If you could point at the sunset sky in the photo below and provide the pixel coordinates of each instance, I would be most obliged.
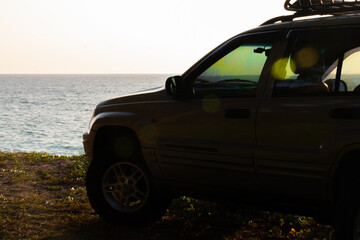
(116, 36)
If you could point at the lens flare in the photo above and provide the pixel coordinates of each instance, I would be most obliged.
(307, 57)
(280, 69)
(211, 103)
(149, 133)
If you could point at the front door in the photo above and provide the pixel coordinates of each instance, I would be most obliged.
(208, 138)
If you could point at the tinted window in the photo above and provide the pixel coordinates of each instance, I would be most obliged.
(314, 63)
(236, 73)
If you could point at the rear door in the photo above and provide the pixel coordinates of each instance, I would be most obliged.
(311, 111)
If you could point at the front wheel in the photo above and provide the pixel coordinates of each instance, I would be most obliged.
(123, 192)
(125, 187)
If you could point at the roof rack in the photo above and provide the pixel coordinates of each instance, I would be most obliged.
(322, 5)
(305, 8)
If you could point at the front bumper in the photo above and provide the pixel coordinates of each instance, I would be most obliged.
(88, 146)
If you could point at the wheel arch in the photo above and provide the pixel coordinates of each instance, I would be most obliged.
(104, 147)
(155, 204)
(106, 136)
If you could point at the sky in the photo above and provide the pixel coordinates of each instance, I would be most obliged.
(118, 36)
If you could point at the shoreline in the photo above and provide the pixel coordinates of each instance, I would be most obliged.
(41, 152)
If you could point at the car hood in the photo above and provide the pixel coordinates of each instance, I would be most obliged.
(153, 94)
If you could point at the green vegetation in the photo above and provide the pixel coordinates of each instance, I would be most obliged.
(43, 196)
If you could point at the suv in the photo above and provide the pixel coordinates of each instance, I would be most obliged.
(271, 118)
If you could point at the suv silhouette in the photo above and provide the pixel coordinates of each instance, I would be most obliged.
(271, 117)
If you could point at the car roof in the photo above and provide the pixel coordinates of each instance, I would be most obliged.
(308, 22)
(283, 23)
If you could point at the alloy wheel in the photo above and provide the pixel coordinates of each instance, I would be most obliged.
(125, 187)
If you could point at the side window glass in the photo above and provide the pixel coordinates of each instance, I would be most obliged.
(235, 74)
(350, 73)
(307, 62)
(319, 62)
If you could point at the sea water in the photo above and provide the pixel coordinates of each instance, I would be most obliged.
(49, 113)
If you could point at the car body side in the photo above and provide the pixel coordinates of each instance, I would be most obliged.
(267, 168)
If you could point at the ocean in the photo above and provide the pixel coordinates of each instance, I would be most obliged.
(49, 113)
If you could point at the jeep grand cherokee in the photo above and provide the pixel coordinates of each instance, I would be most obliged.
(271, 117)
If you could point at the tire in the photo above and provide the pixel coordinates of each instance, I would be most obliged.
(121, 191)
(356, 224)
(347, 217)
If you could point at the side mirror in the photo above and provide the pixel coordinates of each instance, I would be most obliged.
(173, 85)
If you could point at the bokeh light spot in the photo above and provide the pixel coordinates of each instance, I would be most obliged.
(211, 103)
(149, 133)
(307, 57)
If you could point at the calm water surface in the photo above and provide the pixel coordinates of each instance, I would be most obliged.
(50, 112)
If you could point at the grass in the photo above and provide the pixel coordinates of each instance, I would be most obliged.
(43, 196)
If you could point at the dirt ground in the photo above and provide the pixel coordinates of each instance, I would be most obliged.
(43, 197)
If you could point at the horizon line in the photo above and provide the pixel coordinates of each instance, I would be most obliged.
(88, 73)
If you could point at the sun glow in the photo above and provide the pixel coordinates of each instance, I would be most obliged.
(111, 36)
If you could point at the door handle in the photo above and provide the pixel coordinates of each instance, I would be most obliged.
(237, 113)
(345, 113)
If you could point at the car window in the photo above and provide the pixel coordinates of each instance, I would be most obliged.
(318, 62)
(237, 73)
(309, 55)
(350, 73)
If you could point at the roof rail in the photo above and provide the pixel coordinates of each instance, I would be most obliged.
(322, 5)
(305, 8)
